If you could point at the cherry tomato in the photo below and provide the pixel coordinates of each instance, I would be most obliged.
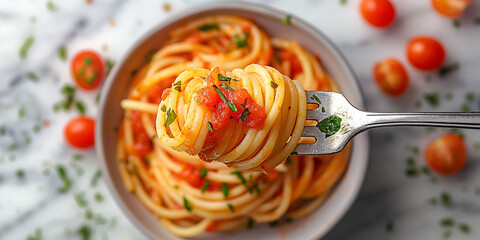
(425, 53)
(391, 77)
(447, 154)
(450, 8)
(88, 69)
(80, 132)
(379, 13)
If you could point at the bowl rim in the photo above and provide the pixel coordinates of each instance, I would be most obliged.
(216, 5)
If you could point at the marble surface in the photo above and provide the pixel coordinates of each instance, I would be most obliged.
(32, 142)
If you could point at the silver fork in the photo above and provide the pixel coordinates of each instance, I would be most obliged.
(354, 121)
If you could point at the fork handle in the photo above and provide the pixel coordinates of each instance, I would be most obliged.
(441, 119)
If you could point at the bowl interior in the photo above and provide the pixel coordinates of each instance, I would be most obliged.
(115, 89)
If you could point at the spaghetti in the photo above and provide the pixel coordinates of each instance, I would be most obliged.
(191, 196)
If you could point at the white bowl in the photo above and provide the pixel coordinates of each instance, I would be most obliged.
(313, 226)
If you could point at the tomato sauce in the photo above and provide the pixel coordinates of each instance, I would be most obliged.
(142, 143)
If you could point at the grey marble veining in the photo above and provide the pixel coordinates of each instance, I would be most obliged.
(110, 26)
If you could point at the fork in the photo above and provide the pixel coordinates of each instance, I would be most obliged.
(354, 121)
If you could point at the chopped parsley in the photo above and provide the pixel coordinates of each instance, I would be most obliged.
(171, 116)
(92, 78)
(208, 26)
(150, 56)
(98, 197)
(62, 53)
(67, 183)
(224, 189)
(245, 114)
(241, 42)
(36, 236)
(220, 94)
(465, 228)
(232, 106)
(446, 199)
(323, 109)
(80, 107)
(411, 172)
(447, 222)
(210, 126)
(448, 69)
(110, 63)
(21, 112)
(87, 61)
(134, 170)
(13, 146)
(32, 76)
(343, 2)
(240, 177)
(330, 125)
(85, 232)
(465, 108)
(469, 96)
(96, 176)
(226, 79)
(26, 45)
(80, 199)
(287, 20)
(177, 86)
(273, 85)
(226, 87)
(314, 97)
(187, 204)
(203, 173)
(77, 156)
(432, 99)
(20, 173)
(232, 209)
(163, 108)
(205, 186)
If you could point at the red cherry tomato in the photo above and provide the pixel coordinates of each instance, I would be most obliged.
(391, 77)
(451, 8)
(379, 13)
(88, 69)
(447, 154)
(425, 53)
(80, 132)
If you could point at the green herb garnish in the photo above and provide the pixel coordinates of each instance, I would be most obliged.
(240, 177)
(226, 79)
(92, 78)
(446, 199)
(95, 178)
(26, 45)
(62, 53)
(87, 61)
(447, 222)
(205, 186)
(273, 84)
(13, 146)
(232, 209)
(469, 96)
(225, 86)
(330, 125)
(465, 228)
(432, 99)
(314, 97)
(456, 23)
(245, 114)
(21, 112)
(80, 107)
(250, 223)
(447, 69)
(241, 42)
(323, 109)
(171, 116)
(232, 106)
(84, 232)
(36, 236)
(210, 126)
(80, 199)
(163, 108)
(224, 189)
(67, 183)
(209, 26)
(203, 173)
(32, 76)
(110, 63)
(20, 173)
(187, 204)
(150, 56)
(98, 197)
(220, 94)
(287, 20)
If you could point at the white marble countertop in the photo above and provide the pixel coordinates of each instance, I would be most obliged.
(32, 202)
